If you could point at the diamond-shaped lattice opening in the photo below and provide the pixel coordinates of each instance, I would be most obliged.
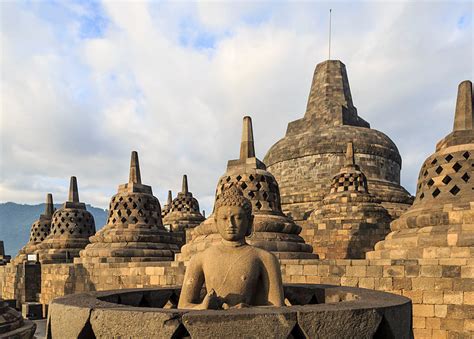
(258, 186)
(466, 155)
(449, 157)
(251, 177)
(430, 183)
(238, 177)
(129, 199)
(435, 193)
(457, 167)
(455, 190)
(125, 205)
(121, 199)
(258, 204)
(434, 161)
(425, 173)
(123, 219)
(139, 199)
(119, 213)
(439, 169)
(446, 179)
(265, 195)
(129, 212)
(251, 194)
(465, 177)
(262, 178)
(134, 205)
(243, 186)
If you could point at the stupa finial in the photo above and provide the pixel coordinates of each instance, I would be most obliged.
(73, 191)
(464, 116)
(350, 161)
(49, 208)
(135, 176)
(184, 187)
(247, 147)
(170, 198)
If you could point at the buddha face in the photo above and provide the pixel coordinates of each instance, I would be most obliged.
(232, 222)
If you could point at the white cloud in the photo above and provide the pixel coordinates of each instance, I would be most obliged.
(173, 81)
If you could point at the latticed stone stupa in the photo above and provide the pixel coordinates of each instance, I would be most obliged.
(71, 227)
(134, 229)
(166, 208)
(40, 230)
(183, 212)
(4, 259)
(312, 151)
(272, 230)
(440, 222)
(350, 220)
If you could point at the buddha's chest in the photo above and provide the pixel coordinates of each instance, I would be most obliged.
(232, 274)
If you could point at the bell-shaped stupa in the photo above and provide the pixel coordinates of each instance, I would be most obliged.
(439, 224)
(272, 230)
(40, 230)
(166, 208)
(350, 220)
(312, 151)
(183, 211)
(71, 227)
(134, 229)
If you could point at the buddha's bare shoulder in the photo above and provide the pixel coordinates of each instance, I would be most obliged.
(265, 255)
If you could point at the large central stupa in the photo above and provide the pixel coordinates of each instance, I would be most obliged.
(312, 151)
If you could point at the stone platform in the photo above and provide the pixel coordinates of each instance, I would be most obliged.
(314, 311)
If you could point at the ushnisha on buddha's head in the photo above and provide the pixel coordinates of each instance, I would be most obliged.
(233, 215)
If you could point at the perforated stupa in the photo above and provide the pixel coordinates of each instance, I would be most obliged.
(272, 230)
(71, 227)
(134, 229)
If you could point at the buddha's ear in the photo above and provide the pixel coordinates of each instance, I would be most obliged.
(250, 227)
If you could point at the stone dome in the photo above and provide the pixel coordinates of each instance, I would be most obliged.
(134, 229)
(272, 230)
(350, 220)
(183, 211)
(439, 224)
(312, 151)
(71, 227)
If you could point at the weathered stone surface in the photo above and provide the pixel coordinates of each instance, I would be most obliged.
(312, 150)
(136, 323)
(61, 323)
(243, 323)
(12, 325)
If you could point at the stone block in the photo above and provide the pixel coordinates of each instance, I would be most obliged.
(423, 310)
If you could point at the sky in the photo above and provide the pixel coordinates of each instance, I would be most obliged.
(83, 83)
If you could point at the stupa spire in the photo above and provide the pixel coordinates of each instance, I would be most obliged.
(350, 161)
(184, 187)
(247, 147)
(464, 117)
(170, 198)
(135, 176)
(73, 191)
(49, 208)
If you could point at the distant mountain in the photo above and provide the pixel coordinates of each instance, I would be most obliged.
(16, 220)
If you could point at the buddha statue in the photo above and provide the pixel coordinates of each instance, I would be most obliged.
(235, 274)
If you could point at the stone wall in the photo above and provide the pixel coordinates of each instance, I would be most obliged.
(442, 290)
(62, 279)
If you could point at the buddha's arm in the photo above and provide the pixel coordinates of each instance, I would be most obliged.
(192, 284)
(273, 280)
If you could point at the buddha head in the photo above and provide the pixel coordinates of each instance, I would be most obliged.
(233, 215)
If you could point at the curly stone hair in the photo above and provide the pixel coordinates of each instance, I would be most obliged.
(233, 196)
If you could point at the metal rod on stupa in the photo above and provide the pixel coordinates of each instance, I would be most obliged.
(350, 160)
(464, 116)
(247, 148)
(184, 188)
(73, 191)
(135, 176)
(49, 208)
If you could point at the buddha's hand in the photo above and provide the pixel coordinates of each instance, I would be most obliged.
(211, 301)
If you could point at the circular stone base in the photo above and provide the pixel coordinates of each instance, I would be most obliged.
(322, 311)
